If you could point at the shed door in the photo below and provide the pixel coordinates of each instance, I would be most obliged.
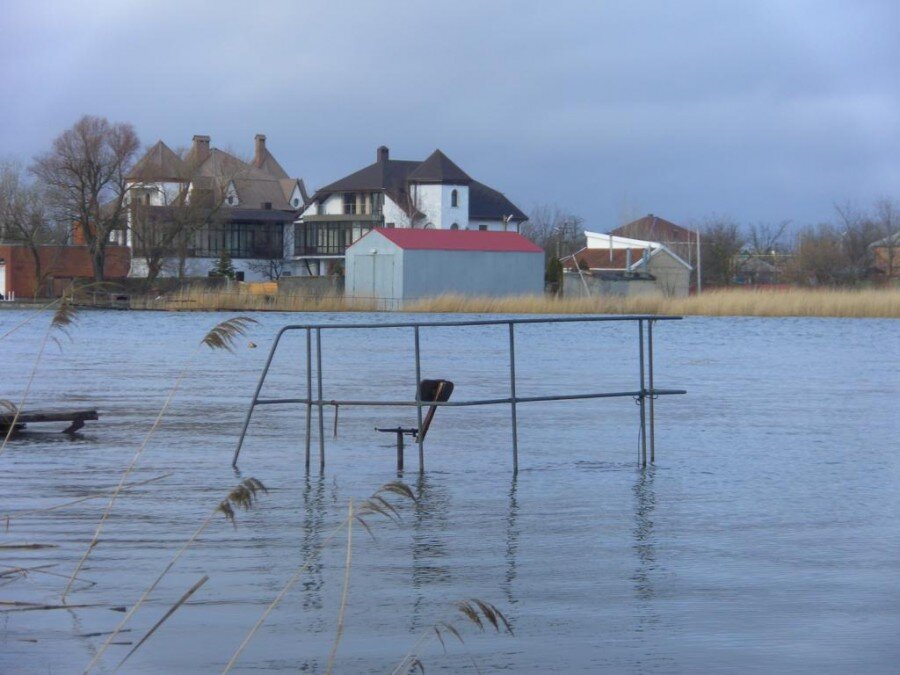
(375, 279)
(2, 279)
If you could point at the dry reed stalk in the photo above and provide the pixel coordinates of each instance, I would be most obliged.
(375, 505)
(221, 336)
(63, 317)
(34, 313)
(183, 599)
(344, 592)
(243, 496)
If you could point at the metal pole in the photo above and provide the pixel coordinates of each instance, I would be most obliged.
(309, 394)
(512, 391)
(699, 284)
(642, 395)
(262, 378)
(419, 438)
(652, 390)
(321, 410)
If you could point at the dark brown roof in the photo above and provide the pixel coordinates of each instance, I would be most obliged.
(269, 164)
(439, 169)
(654, 228)
(159, 163)
(488, 204)
(393, 176)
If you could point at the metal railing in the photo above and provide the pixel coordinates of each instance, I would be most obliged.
(644, 395)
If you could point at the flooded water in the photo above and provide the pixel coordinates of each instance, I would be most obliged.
(765, 539)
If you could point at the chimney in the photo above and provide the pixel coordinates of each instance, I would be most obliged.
(260, 150)
(200, 149)
(383, 154)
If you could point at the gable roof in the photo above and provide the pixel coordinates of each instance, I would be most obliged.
(439, 169)
(456, 240)
(159, 163)
(268, 164)
(655, 228)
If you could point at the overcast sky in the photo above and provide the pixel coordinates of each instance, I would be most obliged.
(762, 111)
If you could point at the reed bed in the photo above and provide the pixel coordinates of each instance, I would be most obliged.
(867, 303)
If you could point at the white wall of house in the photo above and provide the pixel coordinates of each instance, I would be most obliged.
(435, 201)
(492, 225)
(195, 267)
(394, 214)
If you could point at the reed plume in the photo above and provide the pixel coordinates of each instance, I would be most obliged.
(243, 496)
(220, 336)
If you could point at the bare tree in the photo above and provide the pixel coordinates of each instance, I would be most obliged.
(764, 239)
(820, 257)
(557, 231)
(23, 219)
(85, 176)
(721, 242)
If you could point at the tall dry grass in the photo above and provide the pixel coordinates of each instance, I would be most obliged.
(731, 302)
(869, 303)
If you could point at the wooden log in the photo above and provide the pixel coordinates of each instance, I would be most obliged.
(76, 418)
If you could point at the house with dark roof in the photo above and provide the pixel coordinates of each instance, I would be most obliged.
(682, 241)
(431, 194)
(225, 203)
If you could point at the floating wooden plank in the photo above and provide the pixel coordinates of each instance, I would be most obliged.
(76, 418)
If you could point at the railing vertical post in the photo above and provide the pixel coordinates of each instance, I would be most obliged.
(642, 395)
(309, 395)
(419, 438)
(321, 410)
(652, 394)
(512, 392)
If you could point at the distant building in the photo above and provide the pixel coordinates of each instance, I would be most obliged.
(397, 265)
(60, 265)
(886, 256)
(611, 265)
(247, 206)
(682, 241)
(434, 194)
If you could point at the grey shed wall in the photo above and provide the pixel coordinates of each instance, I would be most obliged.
(378, 269)
(428, 274)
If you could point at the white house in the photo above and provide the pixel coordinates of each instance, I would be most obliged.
(433, 194)
(396, 265)
(245, 208)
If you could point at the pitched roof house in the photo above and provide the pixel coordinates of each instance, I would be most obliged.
(431, 194)
(249, 205)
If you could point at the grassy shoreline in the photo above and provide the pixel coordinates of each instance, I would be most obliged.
(869, 303)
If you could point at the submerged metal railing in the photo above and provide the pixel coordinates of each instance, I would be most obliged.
(644, 394)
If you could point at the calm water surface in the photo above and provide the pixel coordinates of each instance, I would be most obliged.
(765, 539)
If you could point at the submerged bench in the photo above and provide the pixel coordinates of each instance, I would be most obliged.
(429, 390)
(76, 419)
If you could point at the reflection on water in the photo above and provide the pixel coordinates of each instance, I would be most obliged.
(644, 506)
(779, 555)
(512, 542)
(429, 547)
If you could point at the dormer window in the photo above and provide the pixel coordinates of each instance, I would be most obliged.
(296, 201)
(230, 199)
(454, 226)
(454, 198)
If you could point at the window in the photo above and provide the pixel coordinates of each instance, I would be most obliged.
(454, 226)
(329, 238)
(296, 201)
(389, 226)
(230, 199)
(454, 198)
(242, 240)
(482, 227)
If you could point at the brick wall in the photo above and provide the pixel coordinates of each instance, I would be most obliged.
(62, 263)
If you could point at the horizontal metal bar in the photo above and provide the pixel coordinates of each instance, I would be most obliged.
(484, 401)
(486, 322)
